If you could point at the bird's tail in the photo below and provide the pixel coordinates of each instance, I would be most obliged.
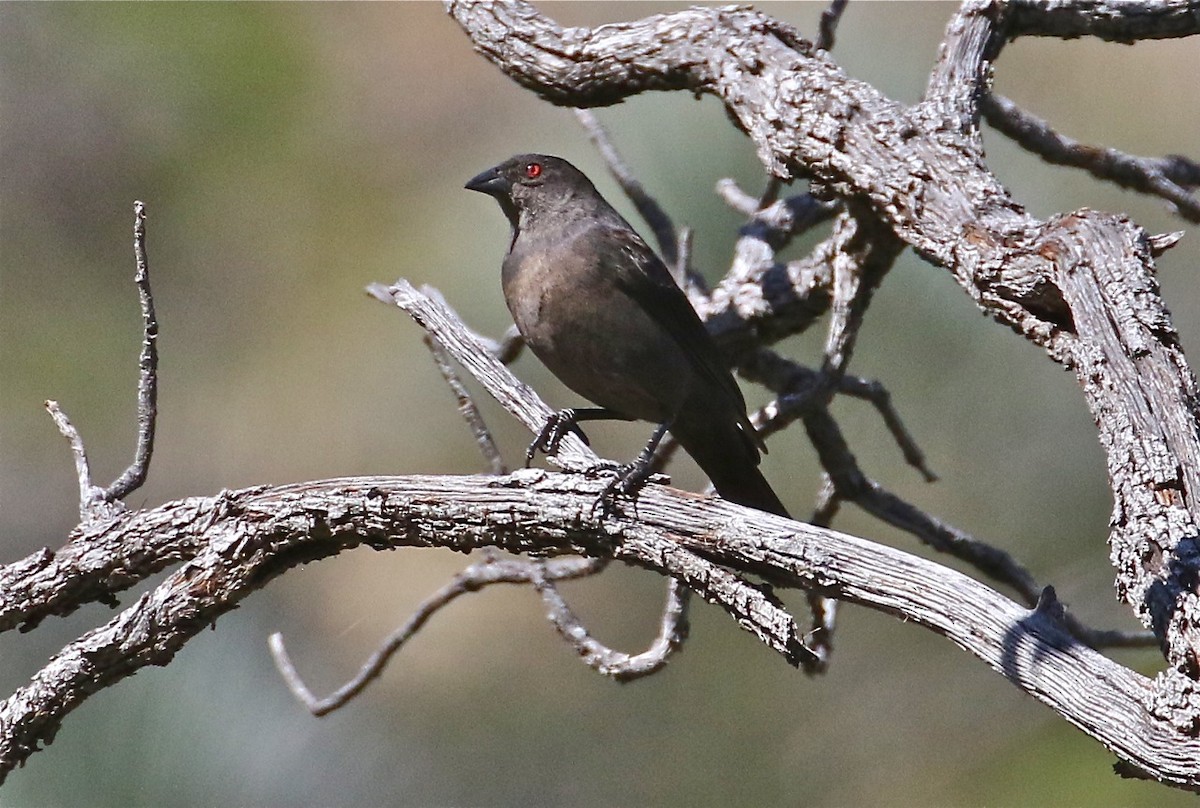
(730, 459)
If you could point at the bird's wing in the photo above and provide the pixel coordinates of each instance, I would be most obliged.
(641, 275)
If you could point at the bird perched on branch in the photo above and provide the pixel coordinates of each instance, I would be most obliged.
(600, 310)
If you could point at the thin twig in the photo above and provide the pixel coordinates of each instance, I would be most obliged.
(430, 311)
(682, 267)
(472, 579)
(674, 246)
(673, 631)
(828, 26)
(823, 610)
(798, 389)
(647, 207)
(466, 407)
(828, 502)
(1168, 177)
(769, 195)
(89, 495)
(510, 346)
(873, 391)
(147, 411)
(746, 204)
(776, 221)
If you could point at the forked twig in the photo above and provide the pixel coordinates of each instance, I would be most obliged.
(96, 502)
(475, 577)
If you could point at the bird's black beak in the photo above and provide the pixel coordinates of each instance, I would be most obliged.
(490, 182)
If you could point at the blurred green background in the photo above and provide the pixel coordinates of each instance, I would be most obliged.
(290, 154)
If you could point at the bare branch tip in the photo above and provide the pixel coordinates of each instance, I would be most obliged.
(1162, 242)
(135, 474)
(380, 292)
(291, 677)
(828, 25)
(733, 195)
(68, 431)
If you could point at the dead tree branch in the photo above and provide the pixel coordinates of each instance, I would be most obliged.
(252, 536)
(1080, 285)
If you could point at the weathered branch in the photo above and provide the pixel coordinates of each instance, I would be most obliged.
(250, 537)
(243, 539)
(1079, 285)
(1123, 21)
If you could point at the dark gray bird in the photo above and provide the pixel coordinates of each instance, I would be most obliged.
(602, 312)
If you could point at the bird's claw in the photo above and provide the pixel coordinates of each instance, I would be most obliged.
(602, 467)
(552, 433)
(628, 480)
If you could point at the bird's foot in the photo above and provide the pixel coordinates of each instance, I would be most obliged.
(552, 433)
(629, 479)
(602, 467)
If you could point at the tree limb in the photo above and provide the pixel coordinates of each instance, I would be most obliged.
(250, 537)
(1080, 285)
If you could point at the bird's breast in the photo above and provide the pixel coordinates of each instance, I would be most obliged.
(591, 335)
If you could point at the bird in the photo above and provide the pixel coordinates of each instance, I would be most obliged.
(604, 315)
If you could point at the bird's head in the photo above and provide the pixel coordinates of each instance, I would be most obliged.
(533, 183)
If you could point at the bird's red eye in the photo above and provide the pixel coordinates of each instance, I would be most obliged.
(533, 170)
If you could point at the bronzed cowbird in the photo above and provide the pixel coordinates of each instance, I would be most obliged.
(602, 312)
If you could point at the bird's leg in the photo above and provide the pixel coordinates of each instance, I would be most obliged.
(630, 478)
(564, 421)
